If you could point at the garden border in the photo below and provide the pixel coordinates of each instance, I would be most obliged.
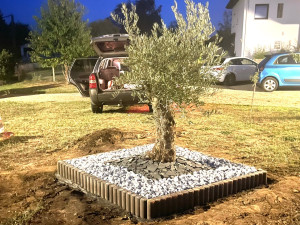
(159, 206)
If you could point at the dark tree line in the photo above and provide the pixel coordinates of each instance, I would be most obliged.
(147, 12)
(12, 35)
(148, 15)
(224, 31)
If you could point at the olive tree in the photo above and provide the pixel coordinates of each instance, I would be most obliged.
(170, 67)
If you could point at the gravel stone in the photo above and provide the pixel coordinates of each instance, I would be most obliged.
(128, 169)
(154, 170)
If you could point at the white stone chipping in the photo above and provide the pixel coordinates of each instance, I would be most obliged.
(150, 188)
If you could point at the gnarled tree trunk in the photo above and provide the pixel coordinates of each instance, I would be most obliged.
(163, 150)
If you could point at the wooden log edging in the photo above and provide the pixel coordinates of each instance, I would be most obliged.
(159, 206)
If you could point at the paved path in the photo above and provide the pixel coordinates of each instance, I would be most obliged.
(242, 95)
(238, 94)
(64, 97)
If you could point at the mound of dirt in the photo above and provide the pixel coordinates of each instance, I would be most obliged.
(93, 143)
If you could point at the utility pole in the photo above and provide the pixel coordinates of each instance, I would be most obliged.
(13, 30)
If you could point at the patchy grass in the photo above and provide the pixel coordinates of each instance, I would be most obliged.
(46, 132)
(37, 82)
(24, 217)
(270, 140)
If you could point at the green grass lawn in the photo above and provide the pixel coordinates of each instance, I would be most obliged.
(270, 140)
(45, 132)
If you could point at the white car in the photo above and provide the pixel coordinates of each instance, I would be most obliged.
(238, 69)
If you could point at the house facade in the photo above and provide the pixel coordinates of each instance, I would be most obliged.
(265, 25)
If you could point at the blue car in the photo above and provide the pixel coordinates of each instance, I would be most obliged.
(279, 70)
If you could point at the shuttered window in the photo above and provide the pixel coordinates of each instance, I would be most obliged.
(261, 11)
(280, 10)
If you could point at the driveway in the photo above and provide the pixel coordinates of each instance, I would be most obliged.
(239, 94)
(63, 97)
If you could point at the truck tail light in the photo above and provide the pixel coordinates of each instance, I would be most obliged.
(92, 81)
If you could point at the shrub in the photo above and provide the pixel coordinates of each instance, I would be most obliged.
(259, 53)
(6, 65)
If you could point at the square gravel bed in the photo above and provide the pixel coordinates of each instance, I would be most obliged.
(150, 189)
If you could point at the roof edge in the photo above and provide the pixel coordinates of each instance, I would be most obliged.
(231, 4)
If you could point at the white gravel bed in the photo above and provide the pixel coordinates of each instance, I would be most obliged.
(150, 188)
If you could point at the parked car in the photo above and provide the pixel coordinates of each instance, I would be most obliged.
(238, 69)
(279, 70)
(94, 77)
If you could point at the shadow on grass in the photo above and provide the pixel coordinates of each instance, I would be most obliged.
(17, 139)
(278, 118)
(35, 90)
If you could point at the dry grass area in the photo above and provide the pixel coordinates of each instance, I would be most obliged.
(37, 82)
(46, 132)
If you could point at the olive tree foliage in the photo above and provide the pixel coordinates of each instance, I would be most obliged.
(60, 36)
(171, 67)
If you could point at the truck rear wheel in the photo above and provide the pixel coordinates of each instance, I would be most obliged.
(97, 108)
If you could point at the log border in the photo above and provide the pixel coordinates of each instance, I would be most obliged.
(159, 206)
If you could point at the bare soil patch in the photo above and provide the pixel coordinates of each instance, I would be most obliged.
(99, 141)
(34, 191)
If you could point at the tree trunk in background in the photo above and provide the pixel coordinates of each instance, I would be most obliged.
(163, 150)
(65, 72)
(53, 73)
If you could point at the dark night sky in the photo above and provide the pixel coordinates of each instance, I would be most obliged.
(24, 10)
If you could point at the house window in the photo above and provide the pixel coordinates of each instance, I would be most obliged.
(277, 45)
(280, 10)
(261, 11)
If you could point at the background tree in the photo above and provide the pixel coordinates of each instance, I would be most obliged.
(13, 35)
(170, 67)
(101, 27)
(22, 32)
(227, 42)
(147, 12)
(61, 35)
(6, 65)
(5, 39)
(173, 24)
